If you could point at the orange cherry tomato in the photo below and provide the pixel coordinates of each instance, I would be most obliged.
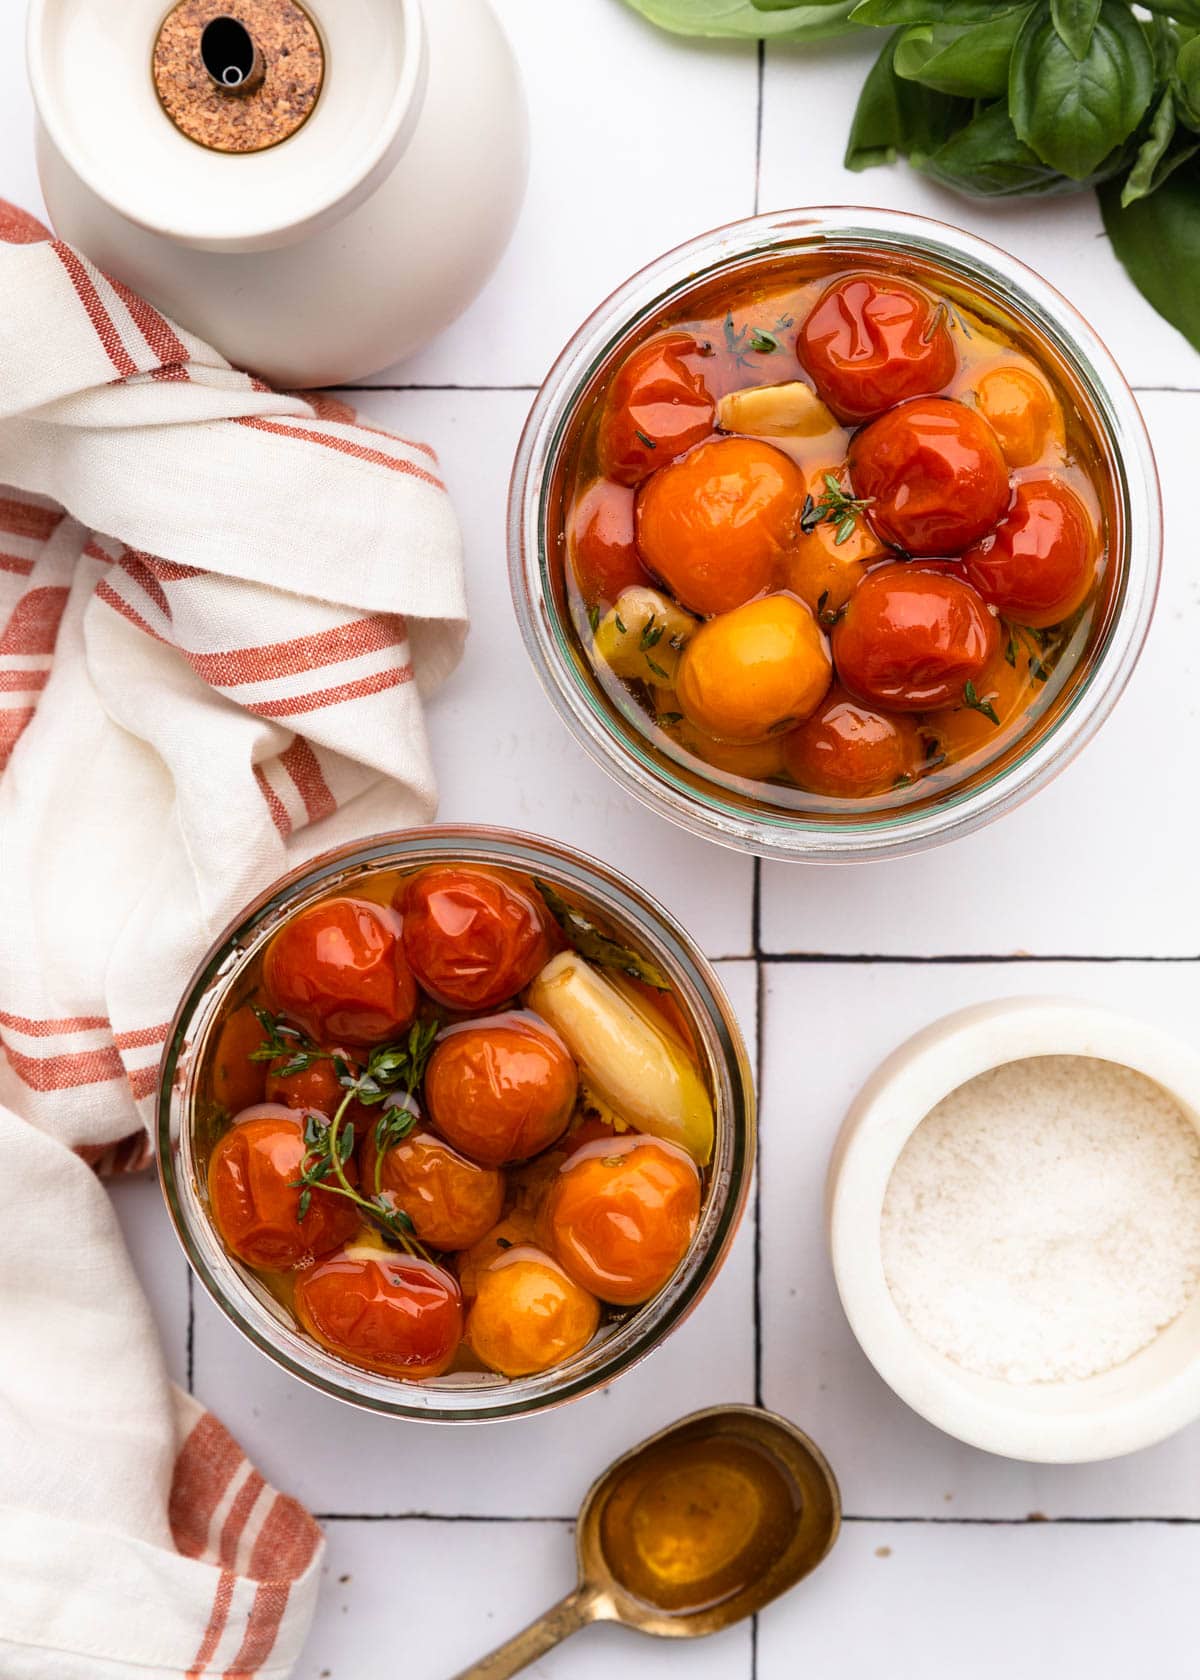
(871, 341)
(256, 1203)
(339, 970)
(912, 639)
(528, 1315)
(714, 525)
(657, 407)
(515, 1230)
(387, 1312)
(473, 937)
(622, 1215)
(753, 671)
(1009, 691)
(451, 1201)
(1022, 410)
(1039, 564)
(934, 474)
(849, 751)
(237, 1082)
(603, 555)
(316, 1087)
(501, 1090)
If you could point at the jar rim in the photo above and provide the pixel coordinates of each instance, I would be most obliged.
(701, 809)
(491, 1398)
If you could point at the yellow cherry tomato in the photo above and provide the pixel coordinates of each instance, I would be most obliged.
(528, 1314)
(755, 671)
(1022, 410)
(818, 568)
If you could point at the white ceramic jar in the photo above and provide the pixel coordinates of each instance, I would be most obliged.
(318, 260)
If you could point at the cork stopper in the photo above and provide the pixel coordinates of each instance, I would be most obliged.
(238, 75)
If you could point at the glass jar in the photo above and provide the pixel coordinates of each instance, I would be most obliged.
(744, 815)
(458, 1397)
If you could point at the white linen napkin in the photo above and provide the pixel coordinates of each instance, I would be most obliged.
(220, 608)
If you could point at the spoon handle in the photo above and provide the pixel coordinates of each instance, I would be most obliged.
(566, 1617)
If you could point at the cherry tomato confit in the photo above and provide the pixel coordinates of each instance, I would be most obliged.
(454, 1124)
(836, 534)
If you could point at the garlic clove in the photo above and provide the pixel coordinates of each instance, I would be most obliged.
(769, 411)
(642, 636)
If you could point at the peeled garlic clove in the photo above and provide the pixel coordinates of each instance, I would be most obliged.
(642, 636)
(767, 411)
(629, 1061)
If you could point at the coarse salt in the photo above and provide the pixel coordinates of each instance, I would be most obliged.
(1043, 1221)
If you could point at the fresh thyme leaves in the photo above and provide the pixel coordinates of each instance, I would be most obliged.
(739, 341)
(282, 1039)
(836, 507)
(983, 704)
(657, 669)
(593, 618)
(762, 341)
(1036, 644)
(596, 946)
(651, 635)
(648, 442)
(735, 341)
(620, 624)
(668, 720)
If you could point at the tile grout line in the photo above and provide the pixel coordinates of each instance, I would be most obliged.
(1031, 1521)
(982, 957)
(756, 930)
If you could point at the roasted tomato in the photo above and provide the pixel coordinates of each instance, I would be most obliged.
(714, 525)
(501, 1090)
(528, 1314)
(871, 341)
(1007, 690)
(255, 1200)
(603, 555)
(387, 1312)
(237, 1082)
(451, 1201)
(757, 761)
(516, 1230)
(934, 475)
(317, 1086)
(657, 407)
(754, 671)
(911, 640)
(1022, 410)
(338, 969)
(1039, 564)
(621, 1216)
(848, 751)
(473, 938)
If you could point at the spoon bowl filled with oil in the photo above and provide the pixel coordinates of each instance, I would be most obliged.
(690, 1532)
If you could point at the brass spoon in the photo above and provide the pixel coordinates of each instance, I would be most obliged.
(814, 1520)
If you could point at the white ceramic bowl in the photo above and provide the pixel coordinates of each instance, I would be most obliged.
(1138, 1402)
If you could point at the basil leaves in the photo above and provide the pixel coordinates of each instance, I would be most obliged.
(1008, 98)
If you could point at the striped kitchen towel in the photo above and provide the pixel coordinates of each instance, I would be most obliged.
(220, 609)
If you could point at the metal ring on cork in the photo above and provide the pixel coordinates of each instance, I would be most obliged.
(238, 75)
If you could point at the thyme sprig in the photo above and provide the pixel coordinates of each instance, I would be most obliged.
(599, 947)
(975, 702)
(836, 507)
(282, 1038)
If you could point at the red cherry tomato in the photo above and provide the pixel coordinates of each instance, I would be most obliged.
(871, 341)
(912, 639)
(473, 938)
(339, 970)
(604, 557)
(451, 1201)
(386, 1312)
(317, 1086)
(501, 1090)
(848, 751)
(255, 1201)
(715, 524)
(237, 1082)
(934, 474)
(657, 407)
(1038, 565)
(621, 1216)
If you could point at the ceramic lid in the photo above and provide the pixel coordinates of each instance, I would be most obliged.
(91, 67)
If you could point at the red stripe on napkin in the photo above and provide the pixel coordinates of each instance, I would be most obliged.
(106, 332)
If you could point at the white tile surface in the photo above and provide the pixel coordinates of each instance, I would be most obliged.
(825, 1027)
(641, 141)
